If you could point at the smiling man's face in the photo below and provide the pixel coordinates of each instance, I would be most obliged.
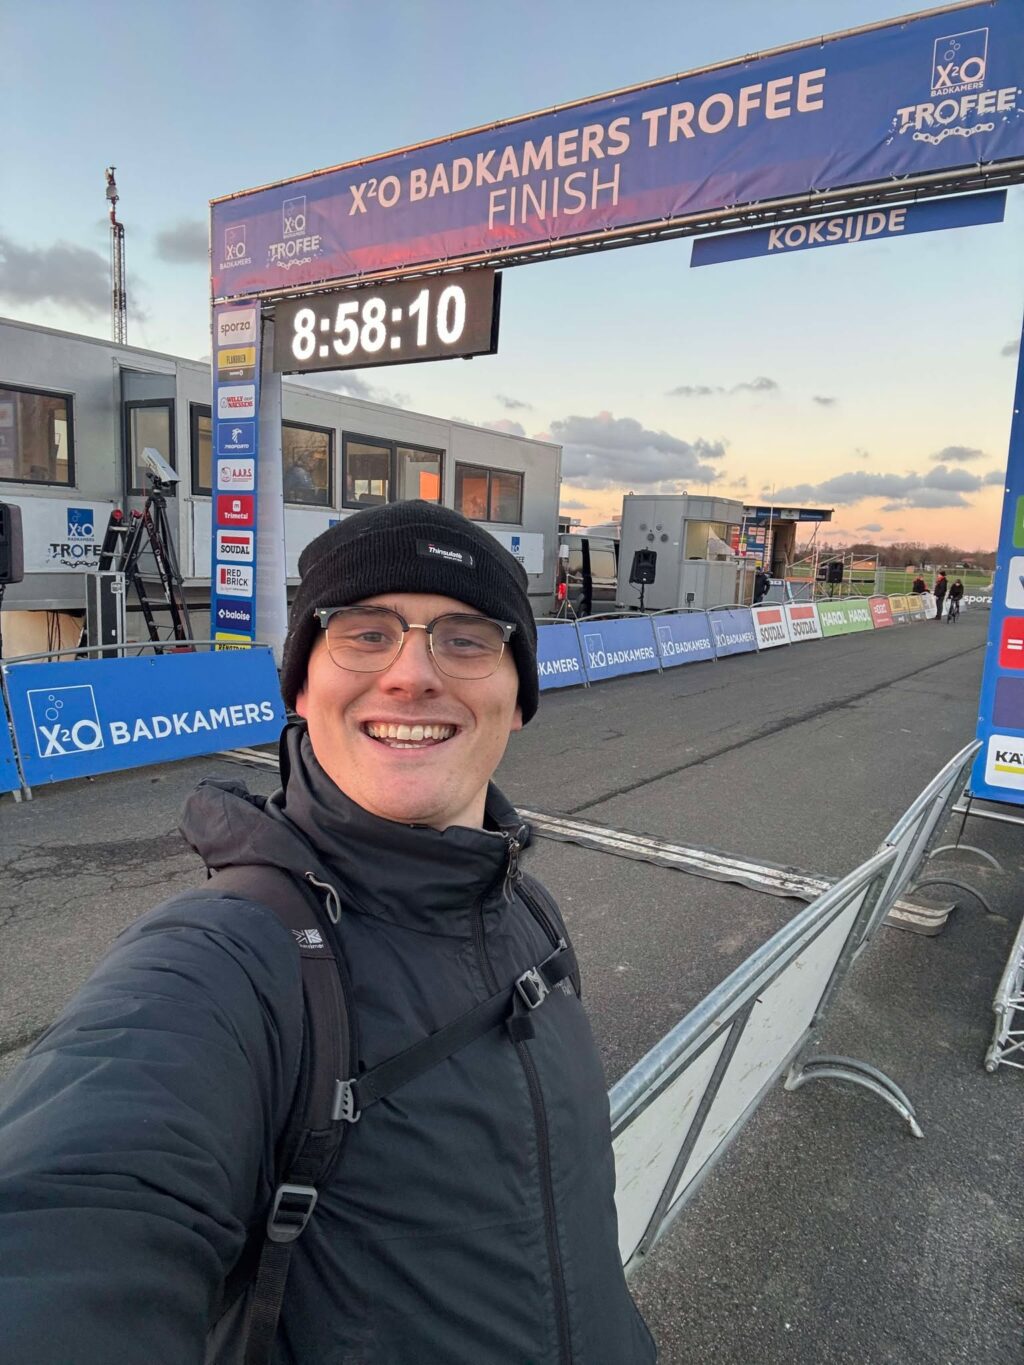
(434, 776)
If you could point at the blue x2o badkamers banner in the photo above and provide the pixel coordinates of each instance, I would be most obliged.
(683, 638)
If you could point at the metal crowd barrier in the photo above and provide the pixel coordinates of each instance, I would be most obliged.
(1007, 1047)
(675, 1113)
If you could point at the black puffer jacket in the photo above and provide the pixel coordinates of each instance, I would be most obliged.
(470, 1220)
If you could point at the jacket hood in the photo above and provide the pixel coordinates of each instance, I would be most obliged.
(411, 874)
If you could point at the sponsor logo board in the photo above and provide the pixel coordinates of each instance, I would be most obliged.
(65, 720)
(236, 509)
(236, 362)
(236, 475)
(1004, 761)
(236, 400)
(803, 621)
(234, 580)
(235, 547)
(1015, 583)
(237, 326)
(1008, 707)
(770, 627)
(881, 611)
(236, 438)
(1011, 643)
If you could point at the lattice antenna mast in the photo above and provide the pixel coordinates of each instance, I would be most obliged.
(118, 291)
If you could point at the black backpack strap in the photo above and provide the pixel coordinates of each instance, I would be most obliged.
(312, 1138)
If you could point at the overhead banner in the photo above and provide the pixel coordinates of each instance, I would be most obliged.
(617, 646)
(559, 657)
(909, 97)
(844, 229)
(103, 715)
(733, 631)
(683, 638)
(236, 400)
(999, 770)
(770, 627)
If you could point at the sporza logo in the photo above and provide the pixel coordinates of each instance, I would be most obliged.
(293, 217)
(65, 720)
(959, 62)
(236, 326)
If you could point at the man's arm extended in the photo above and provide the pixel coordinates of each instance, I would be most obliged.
(136, 1139)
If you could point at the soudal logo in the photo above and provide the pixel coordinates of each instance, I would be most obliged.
(236, 400)
(236, 474)
(237, 327)
(236, 511)
(235, 545)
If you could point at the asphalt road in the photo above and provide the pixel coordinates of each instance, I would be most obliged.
(826, 1234)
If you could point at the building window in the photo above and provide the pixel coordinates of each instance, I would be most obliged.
(201, 448)
(489, 494)
(149, 422)
(378, 471)
(307, 456)
(36, 440)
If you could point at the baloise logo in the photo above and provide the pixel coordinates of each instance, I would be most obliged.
(65, 720)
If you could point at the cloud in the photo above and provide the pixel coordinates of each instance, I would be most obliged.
(72, 276)
(505, 424)
(572, 505)
(186, 243)
(995, 476)
(872, 526)
(762, 384)
(939, 487)
(513, 404)
(606, 451)
(352, 385)
(1011, 347)
(824, 402)
(958, 454)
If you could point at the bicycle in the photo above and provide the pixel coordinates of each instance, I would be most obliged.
(953, 611)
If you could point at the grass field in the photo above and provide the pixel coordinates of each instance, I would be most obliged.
(898, 581)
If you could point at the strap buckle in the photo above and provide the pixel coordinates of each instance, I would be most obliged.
(532, 989)
(345, 1108)
(291, 1211)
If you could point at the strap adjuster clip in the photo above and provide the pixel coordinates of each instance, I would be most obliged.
(533, 990)
(345, 1109)
(291, 1211)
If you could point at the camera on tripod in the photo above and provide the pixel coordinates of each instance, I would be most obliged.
(158, 469)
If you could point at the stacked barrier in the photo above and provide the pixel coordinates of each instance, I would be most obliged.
(676, 1112)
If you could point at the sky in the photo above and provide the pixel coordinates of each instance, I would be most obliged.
(876, 379)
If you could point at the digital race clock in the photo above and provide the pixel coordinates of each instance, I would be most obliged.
(437, 318)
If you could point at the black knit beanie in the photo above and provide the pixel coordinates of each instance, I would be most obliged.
(410, 547)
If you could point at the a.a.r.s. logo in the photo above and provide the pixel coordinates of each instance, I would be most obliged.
(65, 720)
(959, 62)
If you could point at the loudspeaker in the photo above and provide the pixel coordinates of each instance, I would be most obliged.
(835, 571)
(644, 566)
(12, 555)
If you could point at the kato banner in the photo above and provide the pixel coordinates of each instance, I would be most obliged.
(733, 631)
(683, 638)
(770, 627)
(559, 657)
(618, 645)
(102, 715)
(931, 95)
(844, 618)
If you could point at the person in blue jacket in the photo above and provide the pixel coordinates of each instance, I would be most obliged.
(470, 1217)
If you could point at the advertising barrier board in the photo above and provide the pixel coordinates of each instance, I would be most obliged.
(844, 618)
(683, 638)
(915, 604)
(617, 646)
(559, 656)
(733, 631)
(929, 602)
(900, 605)
(103, 715)
(770, 627)
(803, 621)
(914, 96)
(881, 611)
(9, 779)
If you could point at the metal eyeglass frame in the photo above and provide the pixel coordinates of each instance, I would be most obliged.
(324, 614)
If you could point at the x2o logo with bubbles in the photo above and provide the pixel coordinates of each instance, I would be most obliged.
(65, 720)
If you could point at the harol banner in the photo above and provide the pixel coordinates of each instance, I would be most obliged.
(803, 621)
(843, 229)
(770, 627)
(733, 631)
(617, 646)
(102, 715)
(999, 770)
(935, 93)
(844, 618)
(559, 656)
(683, 638)
(881, 612)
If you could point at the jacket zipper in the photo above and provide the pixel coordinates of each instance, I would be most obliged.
(543, 1146)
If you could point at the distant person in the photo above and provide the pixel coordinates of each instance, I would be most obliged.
(762, 584)
(919, 585)
(298, 482)
(956, 592)
(940, 593)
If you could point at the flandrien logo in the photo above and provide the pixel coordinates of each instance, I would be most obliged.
(960, 105)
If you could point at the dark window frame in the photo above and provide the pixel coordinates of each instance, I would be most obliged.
(392, 447)
(69, 407)
(195, 411)
(128, 406)
(330, 433)
(489, 470)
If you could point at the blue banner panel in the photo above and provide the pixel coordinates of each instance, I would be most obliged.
(733, 631)
(559, 657)
(683, 638)
(614, 647)
(842, 229)
(9, 780)
(912, 97)
(999, 769)
(102, 715)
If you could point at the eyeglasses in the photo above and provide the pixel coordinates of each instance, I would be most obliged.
(370, 639)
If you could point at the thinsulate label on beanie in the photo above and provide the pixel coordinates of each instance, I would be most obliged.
(431, 550)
